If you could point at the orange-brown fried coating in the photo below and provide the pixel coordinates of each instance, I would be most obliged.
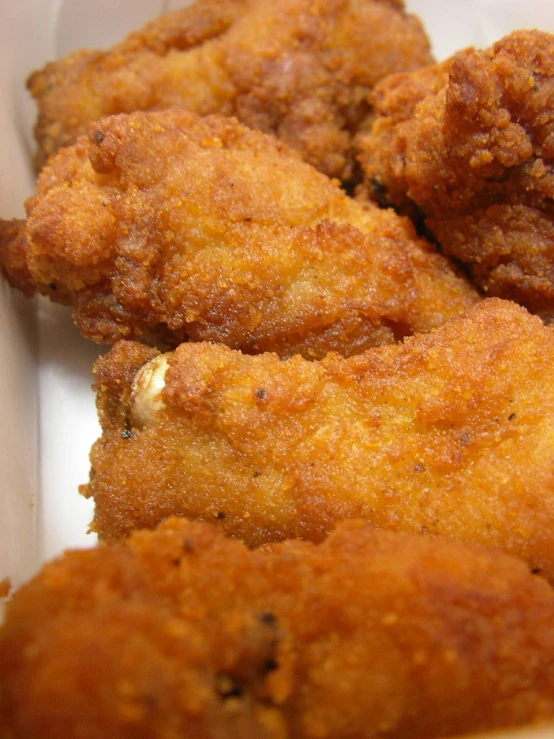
(298, 69)
(450, 433)
(468, 146)
(166, 227)
(188, 634)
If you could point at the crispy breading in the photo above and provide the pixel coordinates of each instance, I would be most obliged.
(450, 433)
(299, 69)
(166, 227)
(468, 146)
(188, 634)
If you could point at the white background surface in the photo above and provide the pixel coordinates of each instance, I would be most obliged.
(47, 416)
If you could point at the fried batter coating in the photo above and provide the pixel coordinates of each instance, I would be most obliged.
(166, 227)
(451, 433)
(469, 147)
(188, 634)
(298, 69)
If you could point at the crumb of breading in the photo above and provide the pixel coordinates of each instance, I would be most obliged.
(5, 587)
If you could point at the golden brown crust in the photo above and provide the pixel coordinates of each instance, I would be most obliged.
(450, 433)
(469, 147)
(166, 226)
(188, 634)
(13, 256)
(298, 69)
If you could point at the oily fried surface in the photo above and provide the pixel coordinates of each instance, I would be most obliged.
(469, 147)
(450, 433)
(299, 69)
(166, 226)
(188, 634)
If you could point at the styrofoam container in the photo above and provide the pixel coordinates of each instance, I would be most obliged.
(47, 414)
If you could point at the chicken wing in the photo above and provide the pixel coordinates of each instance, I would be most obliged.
(468, 147)
(167, 227)
(188, 634)
(450, 433)
(299, 69)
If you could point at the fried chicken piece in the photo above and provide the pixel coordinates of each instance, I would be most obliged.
(451, 433)
(299, 69)
(468, 146)
(188, 634)
(167, 227)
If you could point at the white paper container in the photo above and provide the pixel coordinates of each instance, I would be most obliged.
(47, 415)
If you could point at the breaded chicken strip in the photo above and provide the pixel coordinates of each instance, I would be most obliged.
(188, 634)
(468, 146)
(451, 433)
(299, 69)
(167, 227)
